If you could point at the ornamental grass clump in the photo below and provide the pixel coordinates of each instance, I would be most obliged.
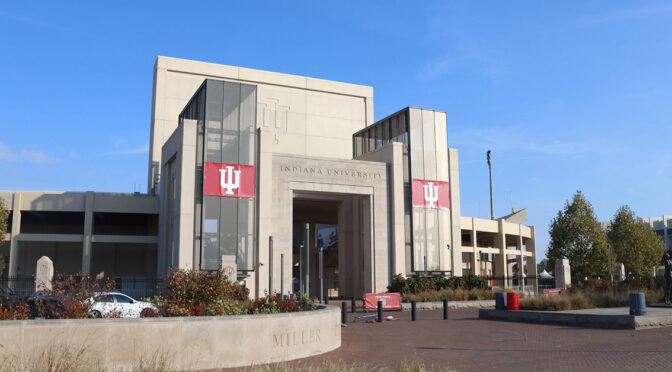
(450, 295)
(556, 303)
(430, 289)
(596, 294)
(421, 284)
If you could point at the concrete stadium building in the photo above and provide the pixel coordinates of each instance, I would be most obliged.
(254, 172)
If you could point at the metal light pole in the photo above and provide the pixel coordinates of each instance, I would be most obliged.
(321, 249)
(306, 272)
(492, 205)
(270, 265)
(611, 274)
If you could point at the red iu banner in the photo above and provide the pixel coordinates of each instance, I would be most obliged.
(431, 194)
(231, 180)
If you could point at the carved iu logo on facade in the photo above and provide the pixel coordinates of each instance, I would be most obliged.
(227, 182)
(230, 180)
(431, 194)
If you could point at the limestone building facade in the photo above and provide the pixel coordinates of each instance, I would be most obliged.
(281, 180)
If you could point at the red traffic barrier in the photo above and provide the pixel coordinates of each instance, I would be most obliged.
(512, 301)
(391, 301)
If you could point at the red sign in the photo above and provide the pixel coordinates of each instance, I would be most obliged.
(391, 301)
(554, 292)
(230, 180)
(431, 194)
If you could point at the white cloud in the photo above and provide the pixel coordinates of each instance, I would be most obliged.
(520, 139)
(6, 153)
(470, 61)
(131, 151)
(435, 68)
(645, 12)
(31, 156)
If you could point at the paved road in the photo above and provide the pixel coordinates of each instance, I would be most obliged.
(466, 343)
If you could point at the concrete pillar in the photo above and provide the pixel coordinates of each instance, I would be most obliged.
(502, 264)
(369, 246)
(14, 239)
(475, 258)
(532, 261)
(88, 233)
(456, 233)
(521, 259)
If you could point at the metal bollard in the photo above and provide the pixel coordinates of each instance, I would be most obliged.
(344, 312)
(380, 311)
(326, 300)
(413, 311)
(353, 304)
(445, 309)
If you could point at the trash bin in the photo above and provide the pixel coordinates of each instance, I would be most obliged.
(637, 304)
(500, 301)
(512, 301)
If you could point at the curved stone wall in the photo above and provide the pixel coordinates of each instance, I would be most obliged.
(184, 343)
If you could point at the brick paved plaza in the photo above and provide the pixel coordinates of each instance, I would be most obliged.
(466, 343)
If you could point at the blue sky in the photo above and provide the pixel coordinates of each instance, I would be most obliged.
(568, 96)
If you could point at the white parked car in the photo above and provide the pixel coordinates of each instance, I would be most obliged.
(115, 304)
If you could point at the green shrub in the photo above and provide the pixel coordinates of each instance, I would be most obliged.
(271, 304)
(72, 293)
(420, 284)
(199, 293)
(19, 312)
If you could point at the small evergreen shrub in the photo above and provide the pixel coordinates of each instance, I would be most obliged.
(271, 304)
(200, 293)
(19, 312)
(72, 294)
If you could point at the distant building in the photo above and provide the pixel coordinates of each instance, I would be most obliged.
(660, 225)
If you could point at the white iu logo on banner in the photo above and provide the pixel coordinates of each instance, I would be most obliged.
(431, 194)
(230, 179)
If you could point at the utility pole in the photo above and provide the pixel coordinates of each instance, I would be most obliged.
(492, 205)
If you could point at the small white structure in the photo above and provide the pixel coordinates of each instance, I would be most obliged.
(563, 276)
(44, 273)
(620, 272)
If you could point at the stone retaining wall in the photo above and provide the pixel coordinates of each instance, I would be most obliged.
(185, 342)
(481, 304)
(561, 318)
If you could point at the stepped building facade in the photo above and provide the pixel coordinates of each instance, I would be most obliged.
(280, 180)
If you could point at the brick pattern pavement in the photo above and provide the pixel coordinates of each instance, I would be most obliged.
(468, 344)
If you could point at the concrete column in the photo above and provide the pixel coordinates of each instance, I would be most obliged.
(475, 258)
(521, 259)
(456, 233)
(88, 232)
(368, 235)
(532, 261)
(502, 264)
(14, 239)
